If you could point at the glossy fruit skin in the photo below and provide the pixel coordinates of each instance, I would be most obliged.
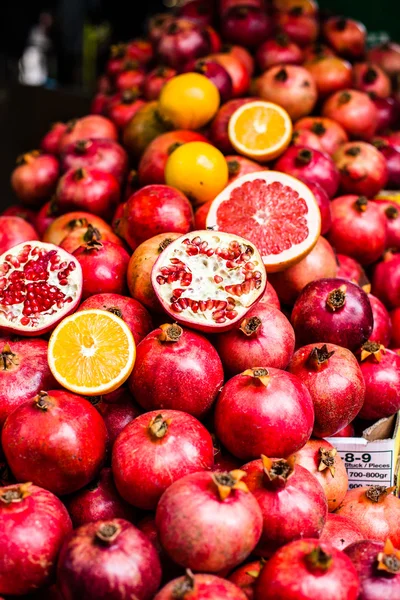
(19, 210)
(340, 531)
(24, 373)
(35, 177)
(277, 51)
(395, 319)
(320, 262)
(89, 127)
(155, 209)
(200, 531)
(239, 166)
(86, 567)
(237, 67)
(128, 309)
(98, 501)
(330, 73)
(83, 235)
(345, 36)
(371, 79)
(330, 133)
(140, 267)
(392, 158)
(170, 375)
(104, 267)
(305, 137)
(349, 326)
(249, 433)
(145, 464)
(140, 50)
(181, 42)
(67, 223)
(270, 296)
(32, 532)
(375, 584)
(246, 26)
(216, 73)
(244, 581)
(155, 81)
(117, 412)
(293, 509)
(122, 107)
(13, 231)
(287, 577)
(104, 155)
(145, 125)
(61, 447)
(386, 280)
(291, 86)
(219, 126)
(382, 330)
(351, 270)
(363, 169)
(387, 56)
(269, 342)
(130, 78)
(354, 111)
(51, 140)
(206, 587)
(335, 483)
(44, 218)
(376, 520)
(316, 166)
(382, 380)
(302, 29)
(388, 113)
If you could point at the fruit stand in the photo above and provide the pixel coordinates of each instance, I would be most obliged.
(200, 319)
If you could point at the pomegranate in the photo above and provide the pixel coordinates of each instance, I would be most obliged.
(303, 29)
(382, 330)
(145, 125)
(41, 284)
(118, 55)
(21, 211)
(226, 5)
(290, 86)
(386, 280)
(237, 166)
(13, 231)
(122, 107)
(331, 135)
(24, 372)
(33, 525)
(182, 41)
(200, 12)
(351, 270)
(242, 55)
(50, 142)
(305, 137)
(90, 127)
(155, 81)
(270, 297)
(321, 459)
(320, 262)
(140, 50)
(395, 319)
(392, 160)
(67, 223)
(104, 155)
(98, 501)
(216, 45)
(209, 521)
(216, 73)
(330, 73)
(374, 510)
(335, 383)
(117, 413)
(292, 502)
(245, 577)
(277, 51)
(223, 460)
(347, 431)
(381, 372)
(131, 77)
(229, 264)
(308, 569)
(312, 165)
(332, 311)
(388, 113)
(317, 50)
(128, 309)
(200, 587)
(246, 26)
(219, 126)
(392, 138)
(109, 559)
(157, 25)
(354, 111)
(387, 56)
(237, 64)
(346, 36)
(340, 531)
(45, 217)
(264, 411)
(89, 190)
(155, 450)
(168, 354)
(264, 337)
(140, 267)
(99, 103)
(362, 168)
(371, 79)
(35, 177)
(378, 566)
(147, 525)
(85, 235)
(104, 266)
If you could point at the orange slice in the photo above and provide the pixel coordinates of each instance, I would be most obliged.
(91, 352)
(260, 130)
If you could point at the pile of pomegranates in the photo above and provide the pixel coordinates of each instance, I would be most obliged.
(207, 475)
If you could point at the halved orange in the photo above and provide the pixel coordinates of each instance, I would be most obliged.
(260, 130)
(91, 352)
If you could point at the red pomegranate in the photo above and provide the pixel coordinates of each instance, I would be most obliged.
(122, 107)
(381, 371)
(290, 86)
(131, 77)
(332, 311)
(216, 43)
(371, 79)
(358, 228)
(308, 569)
(45, 217)
(85, 235)
(157, 25)
(242, 55)
(350, 269)
(303, 29)
(387, 56)
(209, 521)
(354, 111)
(245, 577)
(382, 330)
(155, 450)
(56, 440)
(216, 73)
(90, 127)
(305, 137)
(346, 36)
(200, 12)
(388, 113)
(237, 166)
(362, 167)
(335, 383)
(147, 525)
(395, 319)
(171, 353)
(200, 587)
(392, 160)
(317, 50)
(181, 42)
(340, 531)
(330, 73)
(270, 297)
(21, 211)
(104, 155)
(292, 502)
(140, 50)
(35, 177)
(277, 51)
(117, 410)
(99, 103)
(33, 526)
(246, 26)
(155, 81)
(347, 431)
(386, 280)
(237, 64)
(219, 127)
(67, 223)
(13, 231)
(108, 559)
(50, 142)
(118, 56)
(264, 411)
(331, 135)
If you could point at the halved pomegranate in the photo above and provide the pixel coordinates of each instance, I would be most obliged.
(209, 280)
(40, 284)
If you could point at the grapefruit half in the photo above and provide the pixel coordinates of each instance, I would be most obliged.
(275, 211)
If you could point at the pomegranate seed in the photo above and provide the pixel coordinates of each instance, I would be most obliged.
(218, 314)
(176, 307)
(183, 302)
(218, 278)
(231, 314)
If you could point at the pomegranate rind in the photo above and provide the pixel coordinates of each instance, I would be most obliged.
(205, 320)
(304, 201)
(47, 320)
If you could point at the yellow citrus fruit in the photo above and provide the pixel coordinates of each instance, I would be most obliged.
(198, 170)
(260, 130)
(91, 352)
(188, 101)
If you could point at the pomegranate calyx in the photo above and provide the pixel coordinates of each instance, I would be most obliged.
(8, 358)
(226, 482)
(372, 349)
(42, 401)
(118, 50)
(16, 493)
(282, 39)
(77, 223)
(71, 124)
(29, 157)
(170, 333)
(341, 24)
(319, 357)
(296, 11)
(361, 204)
(282, 75)
(158, 427)
(184, 587)
(164, 244)
(130, 65)
(318, 128)
(233, 167)
(129, 96)
(115, 311)
(353, 151)
(344, 98)
(173, 28)
(79, 174)
(255, 574)
(378, 493)
(392, 212)
(259, 373)
(304, 156)
(327, 458)
(92, 245)
(389, 558)
(336, 299)
(278, 471)
(92, 233)
(318, 559)
(82, 145)
(108, 532)
(250, 326)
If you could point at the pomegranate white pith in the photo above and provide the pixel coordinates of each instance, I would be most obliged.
(208, 279)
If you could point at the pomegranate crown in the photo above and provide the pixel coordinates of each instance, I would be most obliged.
(226, 482)
(277, 471)
(389, 559)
